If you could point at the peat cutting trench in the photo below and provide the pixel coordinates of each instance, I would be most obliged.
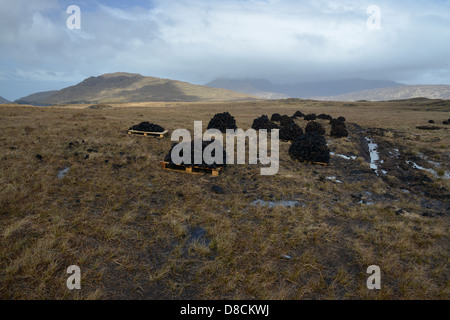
(408, 176)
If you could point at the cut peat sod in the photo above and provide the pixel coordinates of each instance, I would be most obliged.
(191, 169)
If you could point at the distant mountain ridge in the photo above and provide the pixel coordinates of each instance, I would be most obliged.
(131, 87)
(256, 87)
(3, 100)
(305, 90)
(396, 93)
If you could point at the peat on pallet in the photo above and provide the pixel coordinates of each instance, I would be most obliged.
(191, 169)
(152, 134)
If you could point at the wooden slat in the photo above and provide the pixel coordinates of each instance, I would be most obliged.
(145, 133)
(193, 170)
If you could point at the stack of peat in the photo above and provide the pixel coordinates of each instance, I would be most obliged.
(310, 117)
(298, 114)
(147, 127)
(290, 131)
(286, 121)
(313, 126)
(204, 165)
(222, 122)
(263, 122)
(275, 117)
(338, 128)
(323, 116)
(310, 147)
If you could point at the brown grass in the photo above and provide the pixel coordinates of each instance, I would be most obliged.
(127, 223)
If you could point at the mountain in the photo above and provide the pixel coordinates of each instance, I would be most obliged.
(305, 90)
(130, 87)
(256, 87)
(3, 100)
(396, 93)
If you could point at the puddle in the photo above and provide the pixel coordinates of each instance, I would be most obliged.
(334, 179)
(374, 157)
(198, 234)
(434, 163)
(369, 203)
(273, 204)
(432, 171)
(63, 172)
(343, 156)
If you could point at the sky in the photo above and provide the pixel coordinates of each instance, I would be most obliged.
(284, 41)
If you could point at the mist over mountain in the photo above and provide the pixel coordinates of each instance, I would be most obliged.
(131, 87)
(395, 93)
(305, 90)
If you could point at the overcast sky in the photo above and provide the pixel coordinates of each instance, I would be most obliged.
(197, 41)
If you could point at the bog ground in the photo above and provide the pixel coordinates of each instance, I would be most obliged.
(77, 190)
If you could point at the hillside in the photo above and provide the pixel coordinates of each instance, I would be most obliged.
(396, 93)
(304, 90)
(3, 100)
(259, 88)
(127, 87)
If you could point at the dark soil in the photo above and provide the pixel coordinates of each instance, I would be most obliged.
(428, 128)
(310, 147)
(314, 127)
(147, 127)
(222, 122)
(263, 122)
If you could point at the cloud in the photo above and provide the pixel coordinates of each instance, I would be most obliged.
(198, 40)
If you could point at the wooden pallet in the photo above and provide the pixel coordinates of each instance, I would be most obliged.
(145, 133)
(195, 169)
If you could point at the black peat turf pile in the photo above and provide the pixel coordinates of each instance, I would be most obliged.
(222, 122)
(313, 126)
(168, 157)
(290, 132)
(275, 117)
(286, 121)
(263, 122)
(310, 117)
(298, 114)
(324, 116)
(338, 129)
(147, 127)
(310, 147)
